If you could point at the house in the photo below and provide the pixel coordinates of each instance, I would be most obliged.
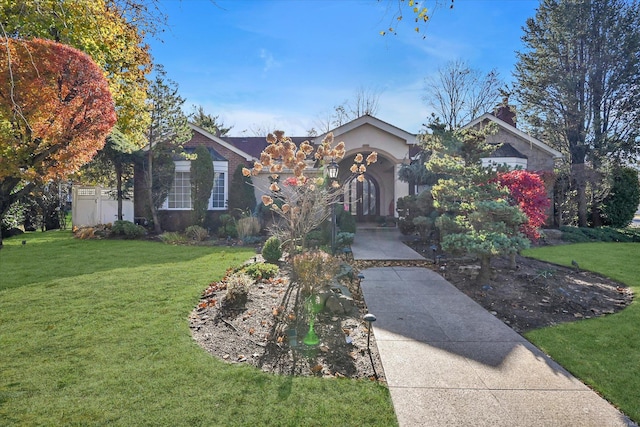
(374, 197)
(516, 149)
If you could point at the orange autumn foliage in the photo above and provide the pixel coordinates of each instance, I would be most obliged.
(55, 110)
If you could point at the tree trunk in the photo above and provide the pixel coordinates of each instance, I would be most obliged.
(484, 275)
(579, 176)
(119, 190)
(154, 213)
(512, 261)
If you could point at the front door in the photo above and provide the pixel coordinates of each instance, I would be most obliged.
(362, 198)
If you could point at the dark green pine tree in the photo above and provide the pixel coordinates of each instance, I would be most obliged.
(210, 123)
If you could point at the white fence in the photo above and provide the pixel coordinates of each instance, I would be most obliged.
(96, 205)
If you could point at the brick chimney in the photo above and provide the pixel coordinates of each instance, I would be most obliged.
(506, 112)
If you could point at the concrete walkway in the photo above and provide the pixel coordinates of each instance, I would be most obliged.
(449, 362)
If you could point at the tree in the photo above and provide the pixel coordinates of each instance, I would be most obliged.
(460, 93)
(578, 82)
(527, 191)
(475, 214)
(111, 32)
(202, 175)
(415, 173)
(243, 197)
(169, 129)
(365, 101)
(621, 204)
(210, 123)
(417, 12)
(113, 166)
(55, 113)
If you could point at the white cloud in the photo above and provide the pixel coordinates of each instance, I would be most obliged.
(269, 60)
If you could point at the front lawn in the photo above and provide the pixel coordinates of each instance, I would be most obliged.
(604, 352)
(96, 332)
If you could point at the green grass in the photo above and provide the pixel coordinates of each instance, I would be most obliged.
(602, 352)
(96, 332)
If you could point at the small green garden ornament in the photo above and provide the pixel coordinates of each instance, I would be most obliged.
(313, 307)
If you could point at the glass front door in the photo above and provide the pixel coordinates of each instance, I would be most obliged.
(361, 198)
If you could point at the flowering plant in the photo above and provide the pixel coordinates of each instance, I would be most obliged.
(302, 201)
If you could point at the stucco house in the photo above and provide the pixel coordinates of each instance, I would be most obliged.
(375, 196)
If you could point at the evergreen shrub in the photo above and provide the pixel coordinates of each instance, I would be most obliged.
(271, 251)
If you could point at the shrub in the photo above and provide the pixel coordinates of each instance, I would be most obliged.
(601, 234)
(261, 270)
(528, 192)
(251, 240)
(620, 206)
(127, 229)
(237, 289)
(84, 233)
(271, 251)
(202, 175)
(228, 227)
(314, 270)
(424, 226)
(197, 233)
(243, 196)
(172, 238)
(410, 207)
(319, 237)
(248, 226)
(346, 222)
(344, 239)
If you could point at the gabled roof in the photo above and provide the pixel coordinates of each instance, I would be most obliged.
(223, 143)
(409, 138)
(507, 150)
(515, 131)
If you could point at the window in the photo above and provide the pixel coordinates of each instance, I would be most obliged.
(179, 197)
(180, 193)
(511, 162)
(218, 196)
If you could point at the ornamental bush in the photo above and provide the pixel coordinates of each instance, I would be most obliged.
(527, 191)
(228, 228)
(314, 270)
(261, 270)
(127, 229)
(248, 226)
(237, 289)
(197, 233)
(271, 251)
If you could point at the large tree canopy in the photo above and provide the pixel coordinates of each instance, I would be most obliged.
(55, 113)
(110, 31)
(579, 83)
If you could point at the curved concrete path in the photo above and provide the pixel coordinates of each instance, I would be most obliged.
(449, 362)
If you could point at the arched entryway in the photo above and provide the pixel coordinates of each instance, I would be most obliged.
(362, 199)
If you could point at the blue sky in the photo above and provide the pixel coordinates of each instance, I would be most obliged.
(286, 63)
